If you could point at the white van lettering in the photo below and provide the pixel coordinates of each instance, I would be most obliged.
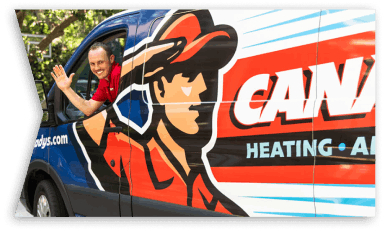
(290, 82)
(329, 85)
(310, 148)
(341, 95)
(44, 142)
(366, 99)
(360, 146)
(244, 113)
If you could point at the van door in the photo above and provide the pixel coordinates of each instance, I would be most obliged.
(263, 157)
(227, 159)
(123, 110)
(344, 119)
(167, 170)
(89, 160)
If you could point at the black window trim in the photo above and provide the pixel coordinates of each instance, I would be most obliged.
(60, 100)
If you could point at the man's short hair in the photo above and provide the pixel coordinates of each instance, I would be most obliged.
(98, 45)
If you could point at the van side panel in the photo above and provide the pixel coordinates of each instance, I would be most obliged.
(278, 111)
(42, 144)
(235, 155)
(344, 123)
(67, 158)
(125, 181)
(263, 157)
(72, 163)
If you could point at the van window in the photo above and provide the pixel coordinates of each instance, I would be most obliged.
(85, 83)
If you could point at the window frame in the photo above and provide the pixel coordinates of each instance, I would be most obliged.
(63, 99)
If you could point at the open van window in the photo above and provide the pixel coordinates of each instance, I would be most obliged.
(85, 83)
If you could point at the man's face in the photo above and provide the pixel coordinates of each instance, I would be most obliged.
(100, 63)
(179, 96)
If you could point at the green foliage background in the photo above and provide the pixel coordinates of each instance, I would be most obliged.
(43, 22)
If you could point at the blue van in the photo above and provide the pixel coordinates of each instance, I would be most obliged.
(218, 113)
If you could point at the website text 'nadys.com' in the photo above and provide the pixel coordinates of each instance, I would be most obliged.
(49, 141)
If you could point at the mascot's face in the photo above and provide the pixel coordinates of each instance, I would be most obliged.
(179, 98)
(190, 75)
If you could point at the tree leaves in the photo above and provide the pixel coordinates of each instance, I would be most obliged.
(65, 30)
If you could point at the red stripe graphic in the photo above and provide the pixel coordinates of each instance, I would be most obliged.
(345, 174)
(335, 50)
(324, 174)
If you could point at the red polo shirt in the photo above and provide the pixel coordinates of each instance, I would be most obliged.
(108, 89)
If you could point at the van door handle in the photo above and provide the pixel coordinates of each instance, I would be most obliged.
(113, 129)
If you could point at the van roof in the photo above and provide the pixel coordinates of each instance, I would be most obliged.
(116, 16)
(121, 13)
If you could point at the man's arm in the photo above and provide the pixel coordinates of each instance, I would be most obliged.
(64, 84)
(86, 106)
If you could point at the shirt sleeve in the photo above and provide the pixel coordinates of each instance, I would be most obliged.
(100, 94)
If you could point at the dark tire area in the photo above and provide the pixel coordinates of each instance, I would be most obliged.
(56, 205)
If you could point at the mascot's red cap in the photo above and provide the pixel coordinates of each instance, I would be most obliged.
(188, 26)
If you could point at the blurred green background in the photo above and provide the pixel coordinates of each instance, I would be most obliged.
(63, 29)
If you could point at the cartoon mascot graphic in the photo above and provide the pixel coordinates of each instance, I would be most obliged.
(165, 114)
